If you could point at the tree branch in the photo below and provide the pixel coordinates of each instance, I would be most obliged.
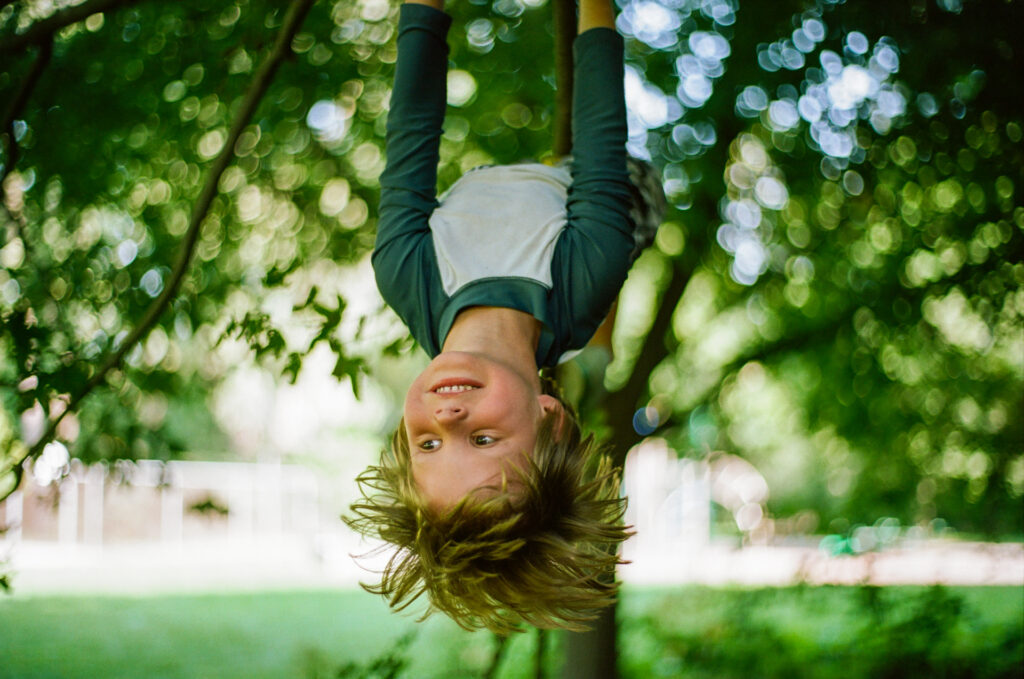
(41, 31)
(655, 349)
(261, 81)
(767, 350)
(14, 112)
(565, 32)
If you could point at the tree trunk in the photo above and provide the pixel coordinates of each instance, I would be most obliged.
(593, 654)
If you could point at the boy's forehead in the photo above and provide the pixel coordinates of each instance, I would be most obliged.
(444, 483)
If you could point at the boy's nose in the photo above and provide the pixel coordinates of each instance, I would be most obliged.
(450, 413)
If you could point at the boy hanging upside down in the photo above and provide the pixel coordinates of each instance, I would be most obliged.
(483, 490)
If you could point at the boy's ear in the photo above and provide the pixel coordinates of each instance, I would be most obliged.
(549, 404)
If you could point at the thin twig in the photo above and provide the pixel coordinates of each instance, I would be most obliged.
(261, 81)
(42, 30)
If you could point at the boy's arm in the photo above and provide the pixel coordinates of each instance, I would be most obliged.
(599, 122)
(409, 181)
(595, 249)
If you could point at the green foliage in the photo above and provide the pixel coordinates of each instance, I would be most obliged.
(391, 664)
(209, 506)
(394, 662)
(267, 343)
(879, 634)
(92, 228)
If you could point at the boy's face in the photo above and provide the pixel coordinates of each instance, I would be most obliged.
(468, 419)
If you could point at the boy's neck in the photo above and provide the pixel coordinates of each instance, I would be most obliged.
(506, 335)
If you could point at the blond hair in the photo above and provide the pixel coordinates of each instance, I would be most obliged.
(541, 552)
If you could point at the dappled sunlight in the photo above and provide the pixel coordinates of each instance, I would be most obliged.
(654, 23)
(756, 190)
(329, 121)
(461, 87)
(52, 465)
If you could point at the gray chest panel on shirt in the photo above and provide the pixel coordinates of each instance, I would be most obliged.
(500, 221)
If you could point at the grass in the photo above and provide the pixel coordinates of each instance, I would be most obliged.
(304, 634)
(264, 635)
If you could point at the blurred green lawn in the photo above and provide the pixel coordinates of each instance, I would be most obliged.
(304, 634)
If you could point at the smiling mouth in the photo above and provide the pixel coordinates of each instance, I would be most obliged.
(454, 389)
(454, 384)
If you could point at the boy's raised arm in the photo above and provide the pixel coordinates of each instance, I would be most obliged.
(408, 185)
(418, 97)
(599, 237)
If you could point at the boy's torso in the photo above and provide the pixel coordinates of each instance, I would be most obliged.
(500, 222)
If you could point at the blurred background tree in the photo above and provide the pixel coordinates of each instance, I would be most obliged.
(836, 313)
(835, 294)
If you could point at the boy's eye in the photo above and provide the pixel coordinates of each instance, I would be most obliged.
(430, 446)
(484, 440)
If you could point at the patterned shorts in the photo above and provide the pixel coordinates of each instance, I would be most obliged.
(649, 202)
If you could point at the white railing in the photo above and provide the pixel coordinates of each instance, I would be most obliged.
(148, 526)
(165, 502)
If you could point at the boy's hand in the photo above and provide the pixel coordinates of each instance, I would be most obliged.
(596, 14)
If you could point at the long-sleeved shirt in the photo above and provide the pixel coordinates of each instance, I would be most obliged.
(550, 242)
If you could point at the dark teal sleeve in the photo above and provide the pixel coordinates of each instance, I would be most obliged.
(592, 257)
(403, 257)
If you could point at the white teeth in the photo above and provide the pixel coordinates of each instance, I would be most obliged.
(455, 389)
